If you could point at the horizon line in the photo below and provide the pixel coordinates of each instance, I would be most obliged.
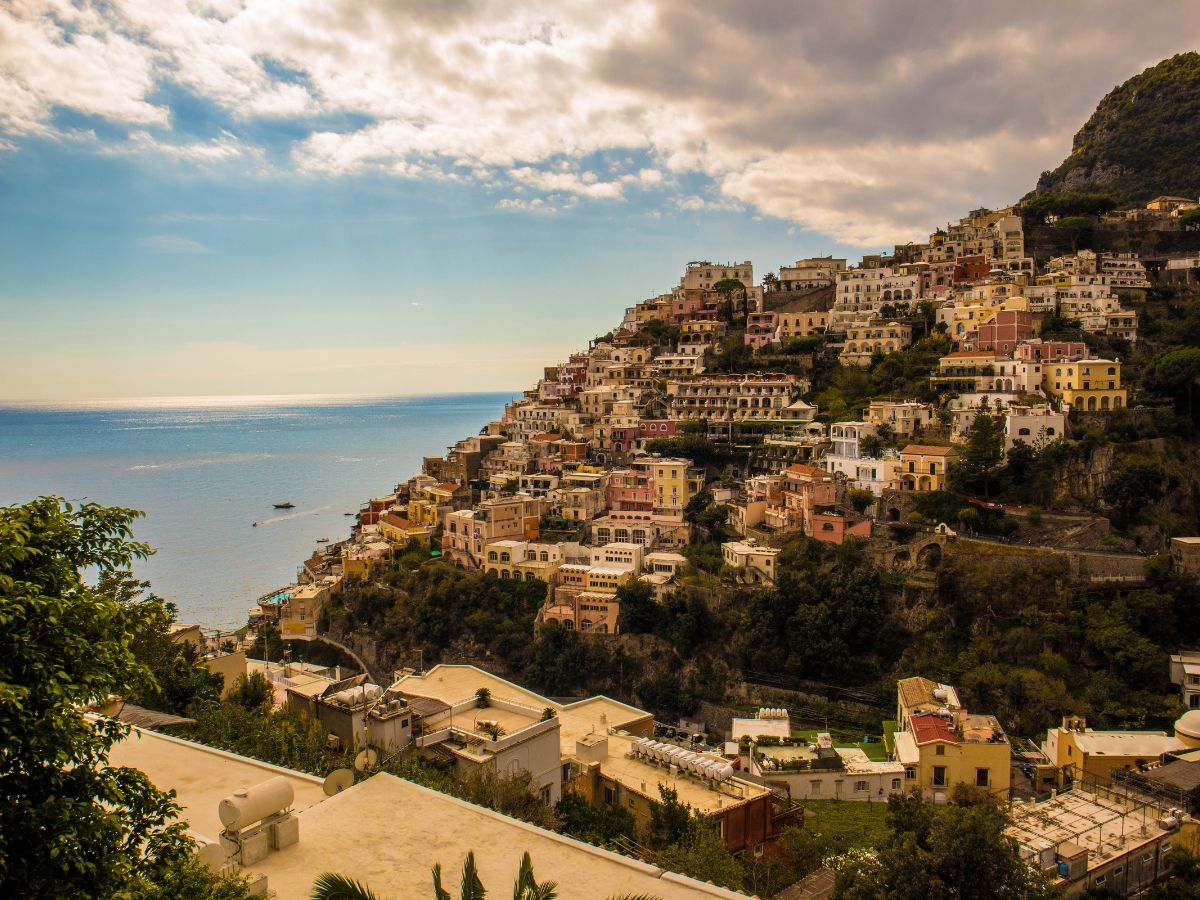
(188, 401)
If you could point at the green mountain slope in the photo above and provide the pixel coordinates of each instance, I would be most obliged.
(1142, 141)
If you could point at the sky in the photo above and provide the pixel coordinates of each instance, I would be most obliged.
(400, 196)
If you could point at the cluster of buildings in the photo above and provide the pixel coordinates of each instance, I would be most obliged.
(584, 481)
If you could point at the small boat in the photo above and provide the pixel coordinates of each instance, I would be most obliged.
(253, 524)
(322, 540)
(284, 505)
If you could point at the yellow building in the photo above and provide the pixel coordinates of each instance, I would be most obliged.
(675, 483)
(965, 318)
(865, 339)
(364, 561)
(1091, 384)
(802, 324)
(1081, 753)
(941, 745)
(399, 531)
(923, 468)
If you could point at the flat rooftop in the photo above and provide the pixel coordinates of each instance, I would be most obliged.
(592, 716)
(203, 776)
(1127, 743)
(389, 832)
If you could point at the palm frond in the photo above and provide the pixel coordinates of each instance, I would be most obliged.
(547, 890)
(472, 888)
(439, 892)
(525, 882)
(331, 886)
(634, 897)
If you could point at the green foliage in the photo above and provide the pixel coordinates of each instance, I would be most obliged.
(820, 621)
(252, 692)
(284, 737)
(860, 498)
(693, 446)
(596, 824)
(331, 886)
(981, 454)
(179, 678)
(1141, 140)
(948, 851)
(1133, 485)
(70, 824)
(640, 612)
(1190, 220)
(700, 853)
(669, 819)
(1037, 207)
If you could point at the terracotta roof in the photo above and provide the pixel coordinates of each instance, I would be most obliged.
(396, 521)
(801, 469)
(971, 354)
(926, 450)
(929, 728)
(447, 486)
(914, 691)
(547, 436)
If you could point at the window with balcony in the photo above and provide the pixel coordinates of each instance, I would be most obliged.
(982, 778)
(939, 776)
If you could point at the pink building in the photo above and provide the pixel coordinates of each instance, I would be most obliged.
(805, 490)
(1051, 351)
(834, 528)
(760, 329)
(630, 490)
(1005, 332)
(649, 429)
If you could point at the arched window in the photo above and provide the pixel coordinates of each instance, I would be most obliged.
(491, 556)
(545, 557)
(1022, 431)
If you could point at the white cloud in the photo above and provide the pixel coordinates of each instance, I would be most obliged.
(174, 243)
(868, 122)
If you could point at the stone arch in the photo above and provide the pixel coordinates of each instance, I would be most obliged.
(902, 558)
(893, 514)
(1104, 403)
(1091, 403)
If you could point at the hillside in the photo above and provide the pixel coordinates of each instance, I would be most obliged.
(1141, 141)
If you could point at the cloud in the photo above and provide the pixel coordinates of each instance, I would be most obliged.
(173, 243)
(868, 122)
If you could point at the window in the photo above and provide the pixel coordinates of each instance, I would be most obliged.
(982, 778)
(1146, 857)
(939, 776)
(608, 796)
(941, 750)
(814, 788)
(896, 782)
(910, 772)
(1100, 879)
(861, 786)
(1166, 848)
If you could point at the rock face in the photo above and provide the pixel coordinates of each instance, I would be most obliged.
(1141, 141)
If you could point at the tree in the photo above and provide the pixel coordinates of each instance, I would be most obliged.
(1078, 228)
(959, 850)
(701, 853)
(179, 678)
(1190, 220)
(331, 886)
(1179, 372)
(71, 825)
(870, 445)
(641, 613)
(860, 498)
(669, 819)
(1133, 486)
(252, 692)
(982, 453)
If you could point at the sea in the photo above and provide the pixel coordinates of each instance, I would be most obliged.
(207, 471)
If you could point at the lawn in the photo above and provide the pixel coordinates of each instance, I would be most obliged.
(843, 824)
(875, 750)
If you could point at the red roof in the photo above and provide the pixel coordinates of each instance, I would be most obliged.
(929, 727)
(395, 521)
(448, 486)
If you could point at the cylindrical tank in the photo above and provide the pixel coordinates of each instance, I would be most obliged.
(250, 805)
(725, 772)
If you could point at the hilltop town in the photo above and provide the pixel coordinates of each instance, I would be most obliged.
(759, 506)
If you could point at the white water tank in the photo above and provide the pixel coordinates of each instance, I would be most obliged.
(724, 772)
(249, 805)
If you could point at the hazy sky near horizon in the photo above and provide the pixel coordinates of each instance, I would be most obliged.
(392, 196)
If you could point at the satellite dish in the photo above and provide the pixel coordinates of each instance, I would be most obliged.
(337, 781)
(212, 855)
(366, 759)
